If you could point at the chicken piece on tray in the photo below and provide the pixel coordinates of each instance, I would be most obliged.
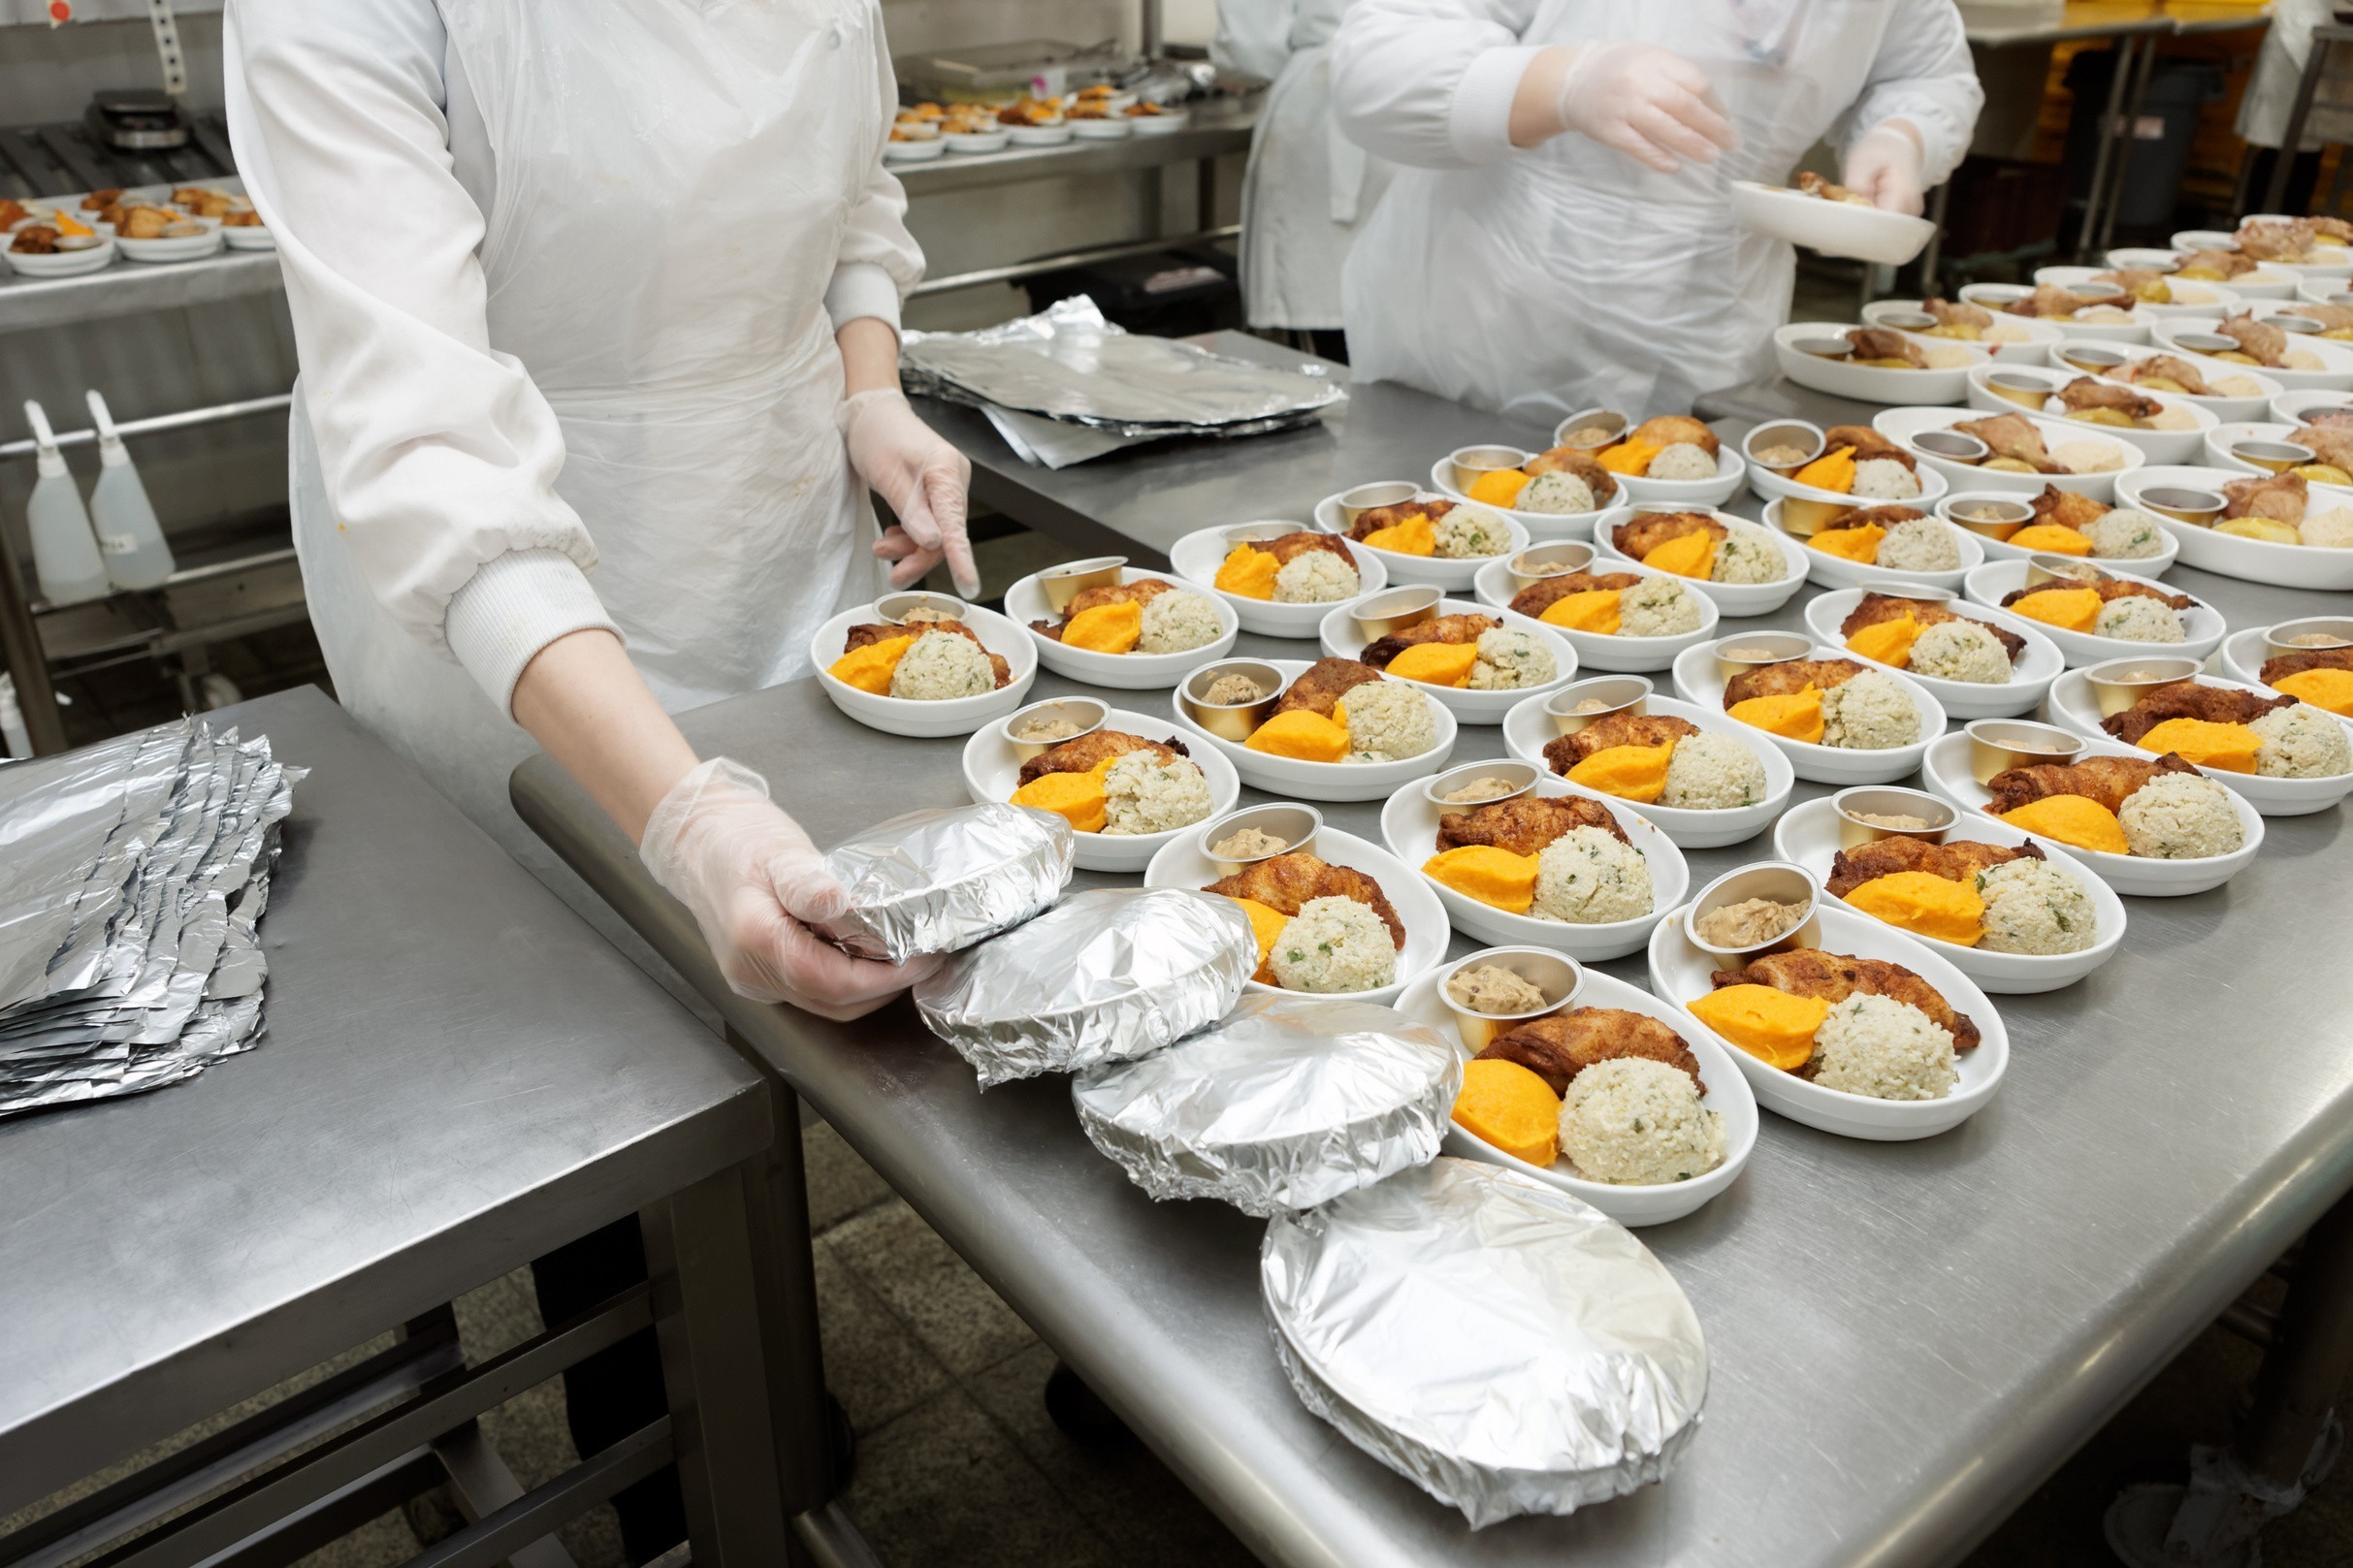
(2172, 369)
(1084, 754)
(1291, 546)
(1525, 824)
(2276, 241)
(1323, 683)
(1564, 751)
(1651, 529)
(1537, 598)
(2141, 282)
(1836, 976)
(1958, 313)
(1371, 523)
(1791, 675)
(858, 638)
(1866, 443)
(1558, 1048)
(2332, 228)
(2104, 779)
(2083, 394)
(2069, 508)
(2229, 264)
(1957, 863)
(2111, 588)
(1881, 343)
(1285, 881)
(1874, 608)
(2050, 299)
(2012, 435)
(2278, 668)
(1142, 591)
(1810, 183)
(2187, 699)
(1671, 429)
(1579, 462)
(2281, 497)
(1444, 628)
(2261, 341)
(2332, 444)
(2332, 317)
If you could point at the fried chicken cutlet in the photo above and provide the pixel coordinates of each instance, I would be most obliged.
(877, 631)
(1874, 608)
(1537, 598)
(1558, 1048)
(2108, 587)
(1651, 529)
(1525, 824)
(1322, 684)
(1142, 591)
(1285, 881)
(2187, 699)
(1794, 675)
(1836, 976)
(1564, 751)
(2280, 666)
(1081, 755)
(1444, 628)
(1370, 523)
(2105, 780)
(1957, 863)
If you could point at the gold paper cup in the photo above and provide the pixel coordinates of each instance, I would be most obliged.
(1467, 462)
(1585, 702)
(1293, 827)
(1953, 446)
(2092, 358)
(1798, 434)
(1916, 592)
(1776, 879)
(1557, 975)
(1853, 806)
(1064, 584)
(2042, 568)
(1388, 613)
(1521, 776)
(2119, 683)
(1823, 348)
(2183, 504)
(2317, 631)
(1754, 650)
(1235, 721)
(1589, 430)
(1903, 320)
(1087, 713)
(2005, 519)
(2207, 342)
(1998, 745)
(2272, 456)
(1532, 565)
(895, 608)
(1355, 503)
(2021, 387)
(1802, 517)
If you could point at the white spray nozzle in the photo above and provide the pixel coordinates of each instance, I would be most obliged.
(110, 439)
(47, 460)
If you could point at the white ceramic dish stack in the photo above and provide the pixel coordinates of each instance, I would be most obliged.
(1826, 570)
(1527, 729)
(1197, 555)
(992, 772)
(2252, 561)
(2030, 675)
(1026, 602)
(2003, 550)
(1343, 638)
(955, 715)
(1297, 779)
(1598, 651)
(1700, 682)
(1833, 228)
(2072, 705)
(1997, 298)
(2202, 623)
(1431, 571)
(1902, 425)
(1873, 383)
(2158, 446)
(1731, 598)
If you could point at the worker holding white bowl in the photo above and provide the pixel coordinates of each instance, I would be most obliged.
(1562, 235)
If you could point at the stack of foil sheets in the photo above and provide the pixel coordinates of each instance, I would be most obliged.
(132, 875)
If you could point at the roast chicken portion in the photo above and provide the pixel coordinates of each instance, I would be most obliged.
(2332, 317)
(2067, 507)
(2276, 241)
(1370, 522)
(2229, 263)
(2332, 444)
(1957, 863)
(2279, 496)
(2259, 340)
(1558, 1048)
(1323, 683)
(2105, 780)
(1285, 881)
(1081, 755)
(1651, 529)
(2110, 589)
(1537, 598)
(1875, 608)
(1579, 462)
(1142, 591)
(2012, 435)
(2085, 394)
(1835, 977)
(1791, 675)
(1564, 751)
(1291, 546)
(1884, 343)
(877, 631)
(1525, 824)
(2050, 299)
(2175, 368)
(1958, 313)
(2279, 667)
(1667, 429)
(1444, 628)
(1866, 444)
(2187, 699)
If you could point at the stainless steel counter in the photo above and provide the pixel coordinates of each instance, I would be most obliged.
(1906, 1338)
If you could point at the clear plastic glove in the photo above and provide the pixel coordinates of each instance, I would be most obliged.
(1651, 104)
(1884, 165)
(751, 878)
(923, 480)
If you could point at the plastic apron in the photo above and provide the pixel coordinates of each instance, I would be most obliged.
(1567, 276)
(671, 189)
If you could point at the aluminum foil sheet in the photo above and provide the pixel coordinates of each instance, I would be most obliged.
(1507, 1347)
(1068, 363)
(1289, 1102)
(1106, 975)
(939, 880)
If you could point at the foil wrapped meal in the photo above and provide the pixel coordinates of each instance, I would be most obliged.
(1287, 1102)
(1106, 975)
(939, 880)
(1507, 1347)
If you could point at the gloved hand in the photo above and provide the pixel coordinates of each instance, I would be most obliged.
(1651, 104)
(1884, 166)
(751, 876)
(922, 478)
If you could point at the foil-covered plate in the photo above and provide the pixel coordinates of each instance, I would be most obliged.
(1506, 1347)
(1106, 975)
(939, 880)
(1289, 1102)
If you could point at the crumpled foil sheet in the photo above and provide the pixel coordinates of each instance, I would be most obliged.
(1508, 1348)
(1068, 363)
(1106, 975)
(942, 879)
(1289, 1102)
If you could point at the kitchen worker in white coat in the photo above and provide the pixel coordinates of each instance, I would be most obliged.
(1307, 189)
(2270, 97)
(1564, 237)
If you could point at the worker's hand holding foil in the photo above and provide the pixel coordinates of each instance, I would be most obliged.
(921, 478)
(1649, 103)
(755, 883)
(1885, 164)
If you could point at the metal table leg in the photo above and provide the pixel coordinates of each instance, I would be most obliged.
(2126, 121)
(2127, 50)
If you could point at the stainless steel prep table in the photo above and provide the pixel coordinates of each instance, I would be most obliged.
(1906, 1337)
(458, 1075)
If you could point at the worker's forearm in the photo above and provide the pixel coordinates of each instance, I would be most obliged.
(587, 706)
(870, 355)
(1535, 107)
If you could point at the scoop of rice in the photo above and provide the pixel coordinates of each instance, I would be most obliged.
(1748, 555)
(1469, 530)
(2126, 533)
(938, 666)
(1709, 772)
(1682, 460)
(1314, 577)
(1510, 656)
(1883, 479)
(1658, 607)
(2302, 742)
(1176, 620)
(2087, 457)
(1961, 650)
(1556, 495)
(1884, 1050)
(1334, 944)
(2332, 529)
(1388, 721)
(1147, 794)
(1589, 877)
(1869, 713)
(2033, 907)
(2138, 618)
(2181, 816)
(1634, 1122)
(1921, 544)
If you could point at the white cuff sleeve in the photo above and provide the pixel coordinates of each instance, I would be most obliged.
(862, 289)
(515, 605)
(1478, 122)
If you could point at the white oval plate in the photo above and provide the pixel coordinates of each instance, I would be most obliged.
(2158, 446)
(992, 772)
(924, 151)
(1039, 136)
(1452, 574)
(65, 263)
(1197, 555)
(2037, 335)
(1343, 640)
(184, 248)
(1102, 130)
(1699, 683)
(2003, 550)
(2259, 284)
(1872, 383)
(957, 716)
(1901, 425)
(2250, 561)
(1697, 495)
(1290, 777)
(1808, 836)
(1180, 863)
(1945, 771)
(1543, 527)
(2030, 675)
(2251, 405)
(1771, 487)
(1527, 729)
(1833, 228)
(1826, 570)
(2203, 623)
(1723, 1089)
(2336, 356)
(1996, 297)
(2294, 408)
(1680, 973)
(972, 143)
(1410, 827)
(2210, 297)
(1605, 651)
(2072, 705)
(1731, 598)
(248, 237)
(1025, 601)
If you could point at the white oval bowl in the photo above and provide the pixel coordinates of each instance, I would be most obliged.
(1340, 639)
(2293, 408)
(924, 151)
(67, 263)
(1527, 729)
(1731, 472)
(2243, 656)
(1808, 836)
(2250, 561)
(1680, 973)
(1901, 425)
(2072, 705)
(1102, 130)
(1025, 601)
(1197, 555)
(2039, 335)
(972, 143)
(1731, 598)
(1428, 571)
(1699, 683)
(1180, 863)
(2214, 452)
(1606, 651)
(2336, 266)
(2003, 550)
(1995, 296)
(1290, 777)
(957, 716)
(1545, 528)
(1825, 570)
(1039, 136)
(1872, 383)
(1832, 228)
(2259, 284)
(2335, 356)
(2030, 675)
(1723, 1089)
(2158, 446)
(248, 237)
(2202, 623)
(2250, 406)
(1411, 819)
(2322, 290)
(2218, 295)
(992, 773)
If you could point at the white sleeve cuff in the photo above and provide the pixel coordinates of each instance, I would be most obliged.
(862, 289)
(1478, 122)
(513, 607)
